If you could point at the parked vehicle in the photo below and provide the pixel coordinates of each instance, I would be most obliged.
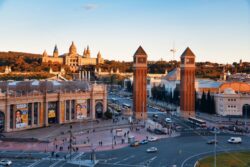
(152, 139)
(135, 144)
(5, 162)
(168, 120)
(212, 141)
(159, 132)
(144, 141)
(235, 140)
(152, 150)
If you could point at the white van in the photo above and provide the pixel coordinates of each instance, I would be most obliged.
(234, 140)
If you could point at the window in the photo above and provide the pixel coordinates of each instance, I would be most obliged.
(67, 109)
(11, 116)
(36, 108)
(29, 113)
(73, 109)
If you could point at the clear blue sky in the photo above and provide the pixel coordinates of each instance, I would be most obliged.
(216, 30)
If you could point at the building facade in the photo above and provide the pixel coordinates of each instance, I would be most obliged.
(187, 84)
(73, 59)
(33, 104)
(230, 103)
(140, 84)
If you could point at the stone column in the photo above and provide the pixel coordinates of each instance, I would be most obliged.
(46, 123)
(59, 111)
(92, 108)
(7, 119)
(88, 75)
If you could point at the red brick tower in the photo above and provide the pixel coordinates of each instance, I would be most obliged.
(140, 84)
(187, 87)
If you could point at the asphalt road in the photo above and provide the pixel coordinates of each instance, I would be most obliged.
(182, 151)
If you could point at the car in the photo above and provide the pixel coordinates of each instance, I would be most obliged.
(212, 141)
(152, 139)
(144, 141)
(235, 140)
(168, 120)
(5, 162)
(159, 132)
(135, 144)
(155, 116)
(152, 150)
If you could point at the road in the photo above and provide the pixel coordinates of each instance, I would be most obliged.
(182, 151)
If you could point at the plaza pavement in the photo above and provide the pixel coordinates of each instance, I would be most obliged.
(86, 136)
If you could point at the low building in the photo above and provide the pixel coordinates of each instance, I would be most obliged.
(231, 103)
(33, 104)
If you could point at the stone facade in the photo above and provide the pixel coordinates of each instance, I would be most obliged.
(73, 59)
(187, 84)
(140, 84)
(44, 103)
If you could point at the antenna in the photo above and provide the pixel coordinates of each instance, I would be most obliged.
(173, 50)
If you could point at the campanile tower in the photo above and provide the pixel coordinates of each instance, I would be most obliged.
(140, 84)
(187, 87)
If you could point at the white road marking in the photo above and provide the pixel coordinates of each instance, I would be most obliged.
(35, 163)
(54, 164)
(125, 159)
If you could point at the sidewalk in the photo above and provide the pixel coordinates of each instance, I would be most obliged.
(83, 141)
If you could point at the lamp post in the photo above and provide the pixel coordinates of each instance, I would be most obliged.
(215, 140)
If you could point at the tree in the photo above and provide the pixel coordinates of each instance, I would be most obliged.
(208, 103)
(129, 86)
(203, 102)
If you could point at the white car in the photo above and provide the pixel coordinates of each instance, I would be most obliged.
(168, 120)
(5, 162)
(152, 150)
(152, 139)
(234, 140)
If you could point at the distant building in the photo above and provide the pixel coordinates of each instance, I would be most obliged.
(231, 103)
(73, 59)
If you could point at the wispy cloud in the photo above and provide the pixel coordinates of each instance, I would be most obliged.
(90, 6)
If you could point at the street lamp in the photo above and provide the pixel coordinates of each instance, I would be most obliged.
(215, 142)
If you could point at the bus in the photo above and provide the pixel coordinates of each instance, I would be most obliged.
(125, 105)
(197, 122)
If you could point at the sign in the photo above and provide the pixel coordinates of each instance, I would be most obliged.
(81, 109)
(21, 115)
(52, 110)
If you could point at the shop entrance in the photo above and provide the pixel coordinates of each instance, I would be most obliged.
(52, 112)
(2, 121)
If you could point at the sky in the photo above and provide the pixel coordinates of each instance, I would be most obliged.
(215, 30)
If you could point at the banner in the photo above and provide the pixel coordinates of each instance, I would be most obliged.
(21, 115)
(52, 110)
(81, 109)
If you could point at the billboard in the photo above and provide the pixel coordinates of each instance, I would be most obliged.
(81, 109)
(21, 114)
(52, 107)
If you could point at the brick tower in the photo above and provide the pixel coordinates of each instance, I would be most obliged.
(140, 84)
(187, 87)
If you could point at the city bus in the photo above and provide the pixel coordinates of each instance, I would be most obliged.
(125, 105)
(197, 122)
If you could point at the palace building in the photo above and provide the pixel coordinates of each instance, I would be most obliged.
(73, 59)
(33, 104)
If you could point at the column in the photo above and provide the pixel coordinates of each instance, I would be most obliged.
(7, 119)
(92, 109)
(46, 123)
(59, 111)
(89, 75)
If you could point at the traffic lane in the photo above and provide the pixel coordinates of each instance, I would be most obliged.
(171, 151)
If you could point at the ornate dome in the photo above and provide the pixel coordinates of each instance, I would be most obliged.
(72, 49)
